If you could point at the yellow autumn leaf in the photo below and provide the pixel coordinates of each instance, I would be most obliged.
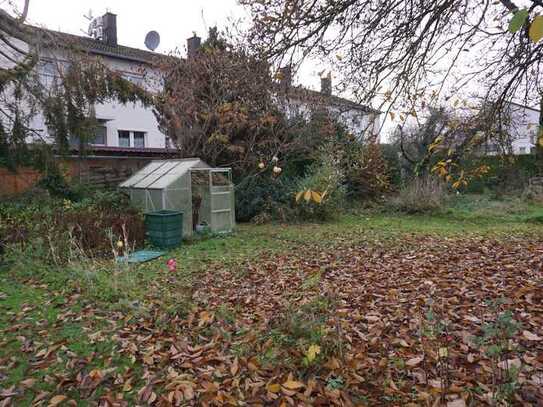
(392, 115)
(299, 196)
(307, 195)
(55, 401)
(293, 385)
(312, 352)
(273, 388)
(205, 317)
(536, 29)
(316, 197)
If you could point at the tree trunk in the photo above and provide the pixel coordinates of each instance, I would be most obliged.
(539, 140)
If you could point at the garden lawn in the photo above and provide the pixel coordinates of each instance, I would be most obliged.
(373, 309)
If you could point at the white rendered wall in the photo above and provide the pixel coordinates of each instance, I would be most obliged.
(116, 116)
(524, 127)
(362, 125)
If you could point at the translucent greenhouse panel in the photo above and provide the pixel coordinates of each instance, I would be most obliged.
(221, 202)
(137, 197)
(182, 181)
(221, 211)
(154, 200)
(221, 222)
(142, 174)
(156, 179)
(220, 178)
(179, 200)
(232, 207)
(172, 173)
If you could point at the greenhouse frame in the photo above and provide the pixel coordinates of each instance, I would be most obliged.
(204, 194)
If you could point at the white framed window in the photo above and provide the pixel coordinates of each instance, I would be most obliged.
(134, 78)
(97, 138)
(124, 138)
(129, 138)
(139, 139)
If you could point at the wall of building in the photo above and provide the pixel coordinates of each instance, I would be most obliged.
(523, 128)
(132, 117)
(90, 171)
(361, 124)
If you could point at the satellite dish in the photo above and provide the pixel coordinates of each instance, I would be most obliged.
(152, 39)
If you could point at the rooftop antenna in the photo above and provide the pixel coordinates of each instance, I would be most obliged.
(89, 16)
(152, 40)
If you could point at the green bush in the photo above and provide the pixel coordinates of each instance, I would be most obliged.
(326, 179)
(263, 196)
(506, 174)
(60, 224)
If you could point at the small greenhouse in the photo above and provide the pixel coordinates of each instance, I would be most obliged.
(205, 195)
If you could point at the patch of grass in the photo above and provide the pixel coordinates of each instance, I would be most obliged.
(38, 295)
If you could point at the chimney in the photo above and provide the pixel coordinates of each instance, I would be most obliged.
(326, 84)
(193, 45)
(109, 27)
(285, 77)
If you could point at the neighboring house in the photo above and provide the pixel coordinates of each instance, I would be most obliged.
(522, 130)
(360, 120)
(134, 128)
(128, 136)
(130, 126)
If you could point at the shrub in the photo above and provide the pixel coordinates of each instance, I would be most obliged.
(263, 197)
(60, 224)
(366, 172)
(425, 194)
(326, 179)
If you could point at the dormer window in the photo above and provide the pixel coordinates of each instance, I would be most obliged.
(139, 139)
(128, 138)
(124, 138)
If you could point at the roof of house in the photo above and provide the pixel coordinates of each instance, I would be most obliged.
(92, 45)
(316, 97)
(94, 150)
(98, 47)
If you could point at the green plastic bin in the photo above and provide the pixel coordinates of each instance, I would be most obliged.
(164, 229)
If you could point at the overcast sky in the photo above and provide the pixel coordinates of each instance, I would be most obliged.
(174, 20)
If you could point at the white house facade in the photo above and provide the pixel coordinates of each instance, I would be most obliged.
(124, 126)
(360, 120)
(133, 127)
(522, 128)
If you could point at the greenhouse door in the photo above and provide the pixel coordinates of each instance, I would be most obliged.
(222, 208)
